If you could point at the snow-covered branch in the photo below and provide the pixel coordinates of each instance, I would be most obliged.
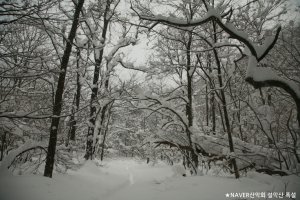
(214, 15)
(9, 159)
(130, 65)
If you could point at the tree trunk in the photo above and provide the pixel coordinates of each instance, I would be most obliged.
(93, 109)
(226, 116)
(59, 93)
(77, 98)
(71, 122)
(3, 141)
(212, 96)
(224, 104)
(206, 106)
(189, 106)
(104, 138)
(103, 111)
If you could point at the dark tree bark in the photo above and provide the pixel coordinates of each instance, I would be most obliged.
(103, 111)
(226, 116)
(189, 106)
(59, 93)
(71, 122)
(212, 97)
(93, 109)
(294, 137)
(105, 134)
(206, 106)
(224, 104)
(77, 95)
(237, 105)
(3, 142)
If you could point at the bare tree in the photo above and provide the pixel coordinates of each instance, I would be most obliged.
(59, 92)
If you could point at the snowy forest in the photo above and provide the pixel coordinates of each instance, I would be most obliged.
(149, 99)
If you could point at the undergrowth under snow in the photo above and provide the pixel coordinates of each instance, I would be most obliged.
(129, 179)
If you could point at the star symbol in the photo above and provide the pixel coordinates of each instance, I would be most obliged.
(227, 195)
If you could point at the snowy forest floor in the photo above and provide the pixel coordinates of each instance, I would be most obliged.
(129, 179)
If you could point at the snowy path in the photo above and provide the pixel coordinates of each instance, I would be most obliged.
(140, 175)
(147, 182)
(132, 180)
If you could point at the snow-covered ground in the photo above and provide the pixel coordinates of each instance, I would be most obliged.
(128, 179)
